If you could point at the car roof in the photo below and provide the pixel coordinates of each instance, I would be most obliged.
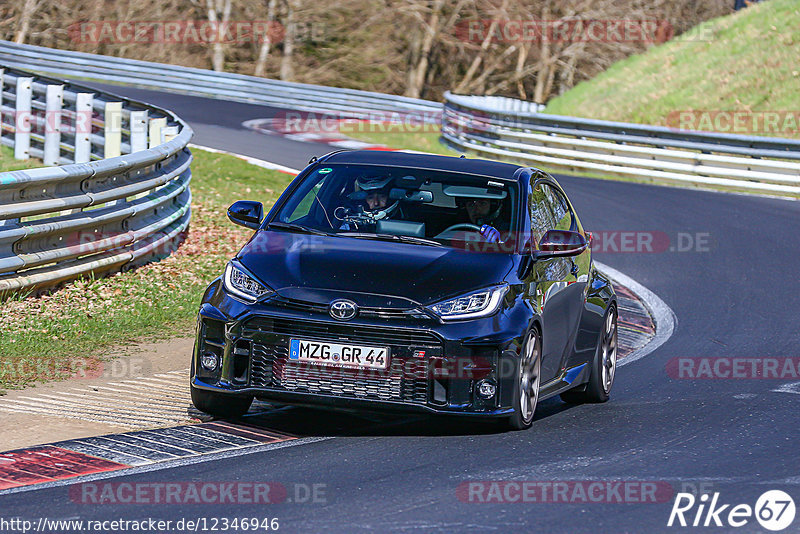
(481, 167)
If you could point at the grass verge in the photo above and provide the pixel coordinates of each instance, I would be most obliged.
(420, 141)
(742, 62)
(73, 329)
(8, 163)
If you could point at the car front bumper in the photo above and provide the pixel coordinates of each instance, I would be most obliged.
(434, 367)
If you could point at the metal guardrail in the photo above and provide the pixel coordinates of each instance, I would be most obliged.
(122, 194)
(200, 82)
(501, 129)
(119, 199)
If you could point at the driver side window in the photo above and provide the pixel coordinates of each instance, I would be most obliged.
(562, 215)
(540, 214)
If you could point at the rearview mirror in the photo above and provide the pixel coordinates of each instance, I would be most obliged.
(247, 213)
(560, 243)
(411, 196)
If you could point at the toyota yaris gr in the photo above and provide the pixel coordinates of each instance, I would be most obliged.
(406, 282)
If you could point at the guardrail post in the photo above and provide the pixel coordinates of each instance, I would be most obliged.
(22, 119)
(2, 71)
(168, 133)
(113, 130)
(138, 131)
(52, 124)
(84, 110)
(4, 222)
(155, 131)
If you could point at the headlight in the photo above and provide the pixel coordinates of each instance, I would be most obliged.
(477, 304)
(241, 284)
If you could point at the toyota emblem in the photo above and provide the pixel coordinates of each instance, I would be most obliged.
(343, 309)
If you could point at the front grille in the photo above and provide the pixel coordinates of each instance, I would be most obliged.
(339, 332)
(380, 313)
(405, 380)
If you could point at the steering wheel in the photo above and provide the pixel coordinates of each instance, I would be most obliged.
(459, 226)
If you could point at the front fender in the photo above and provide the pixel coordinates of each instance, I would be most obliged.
(599, 296)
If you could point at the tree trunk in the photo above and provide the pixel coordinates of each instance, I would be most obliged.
(418, 78)
(287, 67)
(521, 58)
(263, 53)
(546, 61)
(476, 62)
(28, 9)
(219, 22)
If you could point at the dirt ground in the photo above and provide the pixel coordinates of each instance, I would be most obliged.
(24, 416)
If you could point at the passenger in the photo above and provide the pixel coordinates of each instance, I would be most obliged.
(485, 214)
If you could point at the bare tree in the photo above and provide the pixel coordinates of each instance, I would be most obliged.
(263, 52)
(416, 75)
(287, 65)
(219, 14)
(411, 47)
(28, 10)
(487, 41)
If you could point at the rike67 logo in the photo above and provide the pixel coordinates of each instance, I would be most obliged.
(774, 510)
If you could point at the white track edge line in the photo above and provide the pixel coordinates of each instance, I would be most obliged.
(253, 161)
(664, 318)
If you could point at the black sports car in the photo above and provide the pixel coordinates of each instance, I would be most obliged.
(396, 281)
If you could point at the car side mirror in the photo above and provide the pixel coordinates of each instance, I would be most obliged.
(247, 213)
(560, 243)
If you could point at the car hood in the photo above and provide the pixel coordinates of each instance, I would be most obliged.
(380, 274)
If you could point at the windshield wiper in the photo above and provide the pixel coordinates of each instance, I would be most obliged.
(392, 237)
(419, 240)
(296, 228)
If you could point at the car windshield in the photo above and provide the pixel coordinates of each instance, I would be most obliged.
(404, 204)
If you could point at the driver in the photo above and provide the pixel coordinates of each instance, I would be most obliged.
(484, 213)
(372, 194)
(376, 198)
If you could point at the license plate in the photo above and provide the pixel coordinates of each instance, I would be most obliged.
(338, 354)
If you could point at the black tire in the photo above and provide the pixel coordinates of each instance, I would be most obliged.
(220, 405)
(530, 363)
(599, 386)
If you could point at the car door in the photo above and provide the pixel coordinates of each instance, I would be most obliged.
(545, 280)
(571, 295)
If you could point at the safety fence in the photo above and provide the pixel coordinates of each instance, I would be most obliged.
(115, 193)
(503, 128)
(207, 83)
